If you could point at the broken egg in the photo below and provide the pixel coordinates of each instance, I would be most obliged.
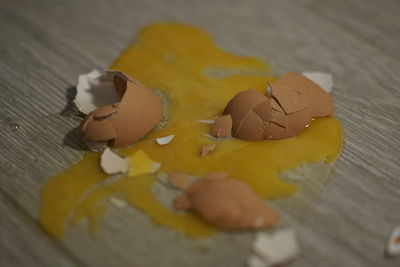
(123, 123)
(292, 102)
(222, 127)
(393, 243)
(224, 202)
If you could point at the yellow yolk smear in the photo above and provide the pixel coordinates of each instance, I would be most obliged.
(198, 79)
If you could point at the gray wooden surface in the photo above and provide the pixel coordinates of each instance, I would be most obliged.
(45, 44)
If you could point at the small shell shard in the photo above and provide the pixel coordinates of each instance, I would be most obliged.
(206, 121)
(112, 163)
(273, 249)
(393, 243)
(165, 140)
(207, 148)
(222, 127)
(137, 112)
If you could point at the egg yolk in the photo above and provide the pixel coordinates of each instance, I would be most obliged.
(198, 79)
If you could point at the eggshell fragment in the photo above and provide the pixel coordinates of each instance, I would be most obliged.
(273, 131)
(323, 79)
(137, 113)
(165, 140)
(273, 249)
(227, 203)
(393, 243)
(94, 90)
(222, 126)
(112, 163)
(320, 101)
(206, 121)
(207, 148)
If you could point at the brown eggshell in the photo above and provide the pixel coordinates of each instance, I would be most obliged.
(251, 128)
(139, 111)
(97, 127)
(275, 105)
(320, 101)
(229, 204)
(222, 126)
(207, 148)
(297, 123)
(241, 104)
(273, 130)
(299, 120)
(263, 110)
(290, 101)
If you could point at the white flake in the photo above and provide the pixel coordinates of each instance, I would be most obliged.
(273, 248)
(323, 79)
(111, 163)
(94, 90)
(165, 140)
(393, 243)
(206, 121)
(117, 202)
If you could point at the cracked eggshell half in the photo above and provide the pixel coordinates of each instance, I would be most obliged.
(321, 102)
(137, 113)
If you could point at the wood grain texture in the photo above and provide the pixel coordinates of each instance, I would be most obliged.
(45, 44)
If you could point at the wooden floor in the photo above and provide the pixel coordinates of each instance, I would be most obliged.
(45, 44)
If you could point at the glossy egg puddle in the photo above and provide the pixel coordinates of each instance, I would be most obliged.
(198, 79)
